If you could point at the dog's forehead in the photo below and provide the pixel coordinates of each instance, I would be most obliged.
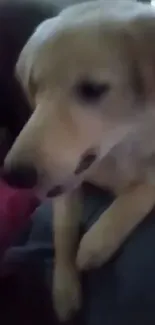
(83, 49)
(78, 43)
(89, 37)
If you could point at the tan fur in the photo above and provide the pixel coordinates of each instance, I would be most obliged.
(115, 45)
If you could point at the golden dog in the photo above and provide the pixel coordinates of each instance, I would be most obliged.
(90, 77)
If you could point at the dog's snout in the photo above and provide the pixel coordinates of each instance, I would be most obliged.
(86, 161)
(20, 176)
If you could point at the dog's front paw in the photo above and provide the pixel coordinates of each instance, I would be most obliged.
(66, 292)
(97, 246)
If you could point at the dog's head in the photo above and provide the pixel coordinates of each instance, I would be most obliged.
(88, 74)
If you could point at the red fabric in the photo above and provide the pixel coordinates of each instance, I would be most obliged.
(16, 207)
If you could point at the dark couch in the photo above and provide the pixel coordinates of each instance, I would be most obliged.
(18, 19)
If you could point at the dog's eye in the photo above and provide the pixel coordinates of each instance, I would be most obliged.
(89, 91)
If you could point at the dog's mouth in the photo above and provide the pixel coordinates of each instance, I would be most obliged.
(56, 191)
(62, 189)
(86, 161)
(67, 187)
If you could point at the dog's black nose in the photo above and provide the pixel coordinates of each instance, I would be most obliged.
(20, 176)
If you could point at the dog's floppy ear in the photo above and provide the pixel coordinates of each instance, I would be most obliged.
(24, 70)
(142, 52)
(27, 63)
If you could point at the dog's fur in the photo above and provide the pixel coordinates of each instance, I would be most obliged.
(114, 46)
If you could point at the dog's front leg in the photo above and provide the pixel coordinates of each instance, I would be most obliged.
(66, 286)
(114, 225)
